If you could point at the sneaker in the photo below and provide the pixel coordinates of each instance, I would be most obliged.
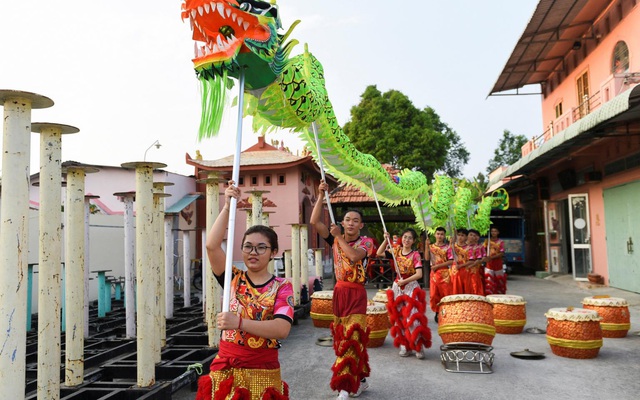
(343, 395)
(403, 351)
(363, 386)
(420, 354)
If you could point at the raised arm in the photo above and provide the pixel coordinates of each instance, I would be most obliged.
(316, 214)
(383, 246)
(217, 257)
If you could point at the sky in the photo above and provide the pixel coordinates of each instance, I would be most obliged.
(121, 71)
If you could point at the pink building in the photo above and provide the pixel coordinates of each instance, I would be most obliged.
(579, 179)
(289, 183)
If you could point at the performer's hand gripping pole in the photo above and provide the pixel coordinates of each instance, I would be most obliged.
(326, 192)
(384, 227)
(235, 177)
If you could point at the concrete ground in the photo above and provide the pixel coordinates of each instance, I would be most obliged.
(614, 374)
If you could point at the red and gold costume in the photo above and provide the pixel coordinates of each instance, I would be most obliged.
(475, 273)
(440, 280)
(459, 275)
(495, 280)
(246, 366)
(407, 306)
(349, 327)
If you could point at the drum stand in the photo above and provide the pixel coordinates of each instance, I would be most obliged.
(475, 358)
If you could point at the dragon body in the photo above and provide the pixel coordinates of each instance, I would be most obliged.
(289, 92)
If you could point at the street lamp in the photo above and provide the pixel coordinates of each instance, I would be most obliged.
(156, 143)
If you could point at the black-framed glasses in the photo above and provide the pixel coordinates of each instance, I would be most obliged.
(260, 249)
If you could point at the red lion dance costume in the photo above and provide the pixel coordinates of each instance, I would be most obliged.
(407, 306)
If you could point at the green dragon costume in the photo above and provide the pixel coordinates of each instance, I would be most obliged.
(289, 92)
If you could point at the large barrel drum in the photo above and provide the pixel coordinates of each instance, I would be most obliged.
(322, 308)
(466, 318)
(614, 311)
(574, 332)
(378, 322)
(509, 313)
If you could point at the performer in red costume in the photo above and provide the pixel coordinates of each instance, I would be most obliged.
(459, 268)
(475, 272)
(441, 258)
(407, 301)
(495, 279)
(260, 314)
(349, 327)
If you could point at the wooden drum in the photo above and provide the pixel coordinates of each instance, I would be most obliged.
(509, 313)
(378, 322)
(322, 308)
(574, 332)
(614, 311)
(381, 297)
(466, 318)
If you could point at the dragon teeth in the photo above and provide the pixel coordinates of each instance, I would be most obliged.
(246, 26)
(233, 17)
(228, 11)
(220, 8)
(206, 8)
(200, 10)
(240, 20)
(193, 13)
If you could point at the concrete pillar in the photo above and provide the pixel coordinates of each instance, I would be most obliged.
(129, 263)
(212, 290)
(249, 216)
(295, 262)
(14, 247)
(74, 274)
(158, 266)
(304, 258)
(287, 264)
(318, 260)
(49, 257)
(265, 221)
(256, 205)
(145, 283)
(186, 267)
(87, 258)
(168, 265)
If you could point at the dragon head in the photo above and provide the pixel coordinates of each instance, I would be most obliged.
(234, 34)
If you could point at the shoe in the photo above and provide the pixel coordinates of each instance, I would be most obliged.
(363, 386)
(420, 355)
(343, 395)
(403, 351)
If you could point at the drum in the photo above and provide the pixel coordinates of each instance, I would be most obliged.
(614, 311)
(574, 332)
(381, 297)
(509, 313)
(322, 308)
(466, 318)
(378, 322)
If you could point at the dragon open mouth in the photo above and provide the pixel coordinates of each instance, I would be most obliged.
(221, 28)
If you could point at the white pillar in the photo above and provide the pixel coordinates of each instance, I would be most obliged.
(186, 267)
(145, 283)
(249, 216)
(287, 264)
(265, 221)
(212, 290)
(168, 264)
(295, 262)
(129, 263)
(16, 148)
(158, 265)
(318, 260)
(304, 258)
(74, 275)
(49, 257)
(256, 206)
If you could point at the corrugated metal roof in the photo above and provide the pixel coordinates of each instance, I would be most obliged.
(182, 203)
(549, 36)
(620, 109)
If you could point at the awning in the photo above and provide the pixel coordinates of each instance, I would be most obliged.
(620, 109)
(182, 203)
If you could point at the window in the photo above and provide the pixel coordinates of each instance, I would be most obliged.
(620, 59)
(559, 109)
(582, 85)
(241, 181)
(282, 179)
(267, 180)
(254, 180)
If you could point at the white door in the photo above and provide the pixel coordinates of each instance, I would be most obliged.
(580, 235)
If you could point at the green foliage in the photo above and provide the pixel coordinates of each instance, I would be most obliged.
(508, 152)
(390, 128)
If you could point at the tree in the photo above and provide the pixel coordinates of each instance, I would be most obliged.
(389, 127)
(508, 152)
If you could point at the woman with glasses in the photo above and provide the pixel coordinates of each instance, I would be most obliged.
(260, 314)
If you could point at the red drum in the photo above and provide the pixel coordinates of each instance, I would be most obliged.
(614, 311)
(322, 308)
(466, 318)
(574, 332)
(509, 313)
(378, 322)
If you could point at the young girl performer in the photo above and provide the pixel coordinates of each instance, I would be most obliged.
(260, 314)
(407, 301)
(495, 280)
(439, 279)
(475, 273)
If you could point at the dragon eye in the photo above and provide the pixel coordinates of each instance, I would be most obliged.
(245, 7)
